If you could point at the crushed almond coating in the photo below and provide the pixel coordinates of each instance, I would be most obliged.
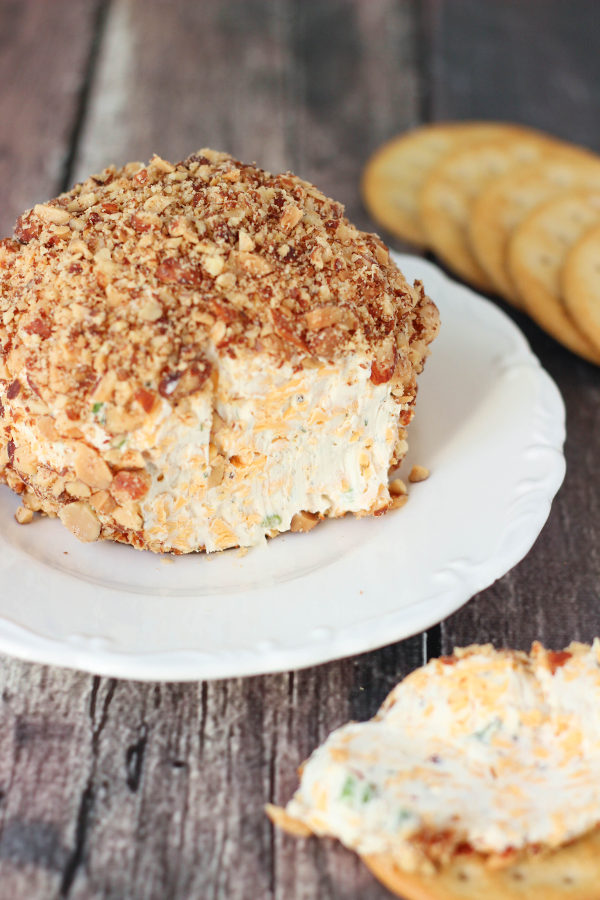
(115, 286)
(119, 298)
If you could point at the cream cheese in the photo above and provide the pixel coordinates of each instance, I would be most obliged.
(499, 749)
(235, 462)
(319, 440)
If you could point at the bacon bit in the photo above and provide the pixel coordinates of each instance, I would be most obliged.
(38, 326)
(74, 269)
(93, 218)
(127, 485)
(10, 449)
(557, 658)
(72, 413)
(434, 839)
(25, 230)
(464, 848)
(146, 399)
(13, 389)
(448, 660)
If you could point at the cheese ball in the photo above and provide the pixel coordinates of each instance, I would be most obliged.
(194, 356)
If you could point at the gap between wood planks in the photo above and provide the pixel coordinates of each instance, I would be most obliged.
(81, 107)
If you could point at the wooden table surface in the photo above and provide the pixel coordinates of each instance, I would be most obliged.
(124, 790)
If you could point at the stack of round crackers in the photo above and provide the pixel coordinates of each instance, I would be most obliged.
(511, 210)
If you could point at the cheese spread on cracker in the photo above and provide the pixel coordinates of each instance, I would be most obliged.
(499, 750)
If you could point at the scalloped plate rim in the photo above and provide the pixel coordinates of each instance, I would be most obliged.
(188, 664)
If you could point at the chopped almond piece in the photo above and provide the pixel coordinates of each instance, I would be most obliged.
(397, 487)
(23, 515)
(418, 473)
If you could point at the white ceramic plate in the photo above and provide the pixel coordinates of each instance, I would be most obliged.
(489, 425)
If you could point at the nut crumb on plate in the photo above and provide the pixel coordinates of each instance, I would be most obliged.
(398, 487)
(23, 515)
(418, 473)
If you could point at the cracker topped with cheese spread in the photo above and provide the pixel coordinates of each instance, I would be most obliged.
(488, 759)
(202, 354)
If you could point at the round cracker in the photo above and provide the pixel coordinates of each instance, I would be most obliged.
(581, 284)
(506, 202)
(394, 175)
(569, 873)
(536, 254)
(450, 190)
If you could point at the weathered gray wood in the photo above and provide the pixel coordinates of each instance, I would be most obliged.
(118, 789)
(535, 62)
(297, 84)
(44, 54)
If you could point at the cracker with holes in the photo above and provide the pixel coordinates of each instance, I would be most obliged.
(506, 202)
(451, 189)
(581, 284)
(478, 777)
(395, 173)
(535, 258)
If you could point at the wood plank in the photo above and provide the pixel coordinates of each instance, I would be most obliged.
(44, 51)
(45, 737)
(296, 85)
(533, 63)
(153, 791)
